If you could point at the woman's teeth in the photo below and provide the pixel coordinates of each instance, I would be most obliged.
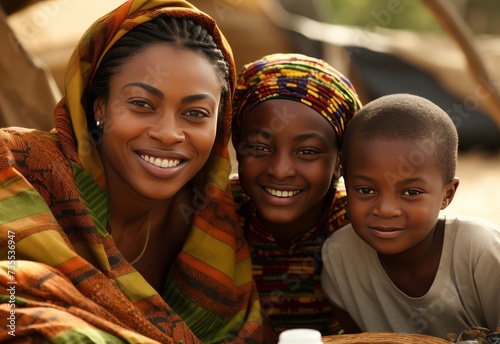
(283, 194)
(164, 163)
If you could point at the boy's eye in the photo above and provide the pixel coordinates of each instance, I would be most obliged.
(412, 192)
(197, 113)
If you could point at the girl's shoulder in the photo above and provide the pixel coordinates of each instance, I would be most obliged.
(242, 202)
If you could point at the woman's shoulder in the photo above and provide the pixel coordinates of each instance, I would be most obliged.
(31, 151)
(26, 140)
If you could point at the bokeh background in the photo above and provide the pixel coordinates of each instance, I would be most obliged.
(445, 50)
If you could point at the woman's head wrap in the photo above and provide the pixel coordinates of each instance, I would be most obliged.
(297, 77)
(86, 58)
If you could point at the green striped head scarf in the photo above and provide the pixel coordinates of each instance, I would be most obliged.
(296, 77)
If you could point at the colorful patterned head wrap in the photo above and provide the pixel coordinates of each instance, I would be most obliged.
(297, 77)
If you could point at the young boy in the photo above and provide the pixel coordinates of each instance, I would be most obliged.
(289, 116)
(399, 266)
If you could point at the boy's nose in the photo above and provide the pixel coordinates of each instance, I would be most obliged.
(387, 206)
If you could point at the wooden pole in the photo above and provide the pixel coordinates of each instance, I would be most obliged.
(453, 23)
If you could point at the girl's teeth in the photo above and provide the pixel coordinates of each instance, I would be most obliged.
(164, 163)
(282, 194)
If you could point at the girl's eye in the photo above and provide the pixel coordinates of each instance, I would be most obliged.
(365, 190)
(307, 152)
(412, 192)
(258, 147)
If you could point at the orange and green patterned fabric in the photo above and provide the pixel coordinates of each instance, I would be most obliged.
(63, 280)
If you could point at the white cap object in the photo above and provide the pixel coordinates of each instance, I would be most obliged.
(300, 336)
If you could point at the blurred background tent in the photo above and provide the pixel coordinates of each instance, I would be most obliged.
(447, 51)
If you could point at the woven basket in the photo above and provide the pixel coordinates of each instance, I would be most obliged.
(383, 338)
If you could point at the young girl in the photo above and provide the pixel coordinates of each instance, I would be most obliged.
(290, 112)
(119, 222)
(400, 266)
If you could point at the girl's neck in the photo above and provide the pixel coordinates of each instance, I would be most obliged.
(285, 233)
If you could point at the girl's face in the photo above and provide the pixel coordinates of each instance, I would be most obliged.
(160, 121)
(395, 191)
(287, 157)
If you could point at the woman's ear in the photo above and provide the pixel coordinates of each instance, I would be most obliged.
(99, 109)
(449, 192)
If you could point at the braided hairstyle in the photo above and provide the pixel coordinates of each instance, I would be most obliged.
(178, 32)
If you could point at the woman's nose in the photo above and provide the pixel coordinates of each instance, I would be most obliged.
(168, 129)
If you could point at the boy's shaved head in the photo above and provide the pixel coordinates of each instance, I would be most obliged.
(406, 117)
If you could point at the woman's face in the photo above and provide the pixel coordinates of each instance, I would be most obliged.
(160, 121)
(287, 158)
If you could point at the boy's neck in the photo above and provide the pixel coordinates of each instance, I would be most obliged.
(413, 271)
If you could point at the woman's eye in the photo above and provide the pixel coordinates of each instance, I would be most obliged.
(141, 103)
(412, 192)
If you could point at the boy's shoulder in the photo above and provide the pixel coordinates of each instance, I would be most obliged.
(472, 232)
(345, 237)
(472, 226)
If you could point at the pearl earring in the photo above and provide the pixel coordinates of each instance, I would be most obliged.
(99, 124)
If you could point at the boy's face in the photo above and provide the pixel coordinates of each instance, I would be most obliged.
(287, 159)
(395, 192)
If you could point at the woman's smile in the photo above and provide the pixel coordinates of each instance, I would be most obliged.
(162, 167)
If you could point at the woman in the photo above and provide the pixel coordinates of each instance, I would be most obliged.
(118, 224)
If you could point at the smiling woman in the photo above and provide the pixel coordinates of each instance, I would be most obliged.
(121, 215)
(173, 126)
